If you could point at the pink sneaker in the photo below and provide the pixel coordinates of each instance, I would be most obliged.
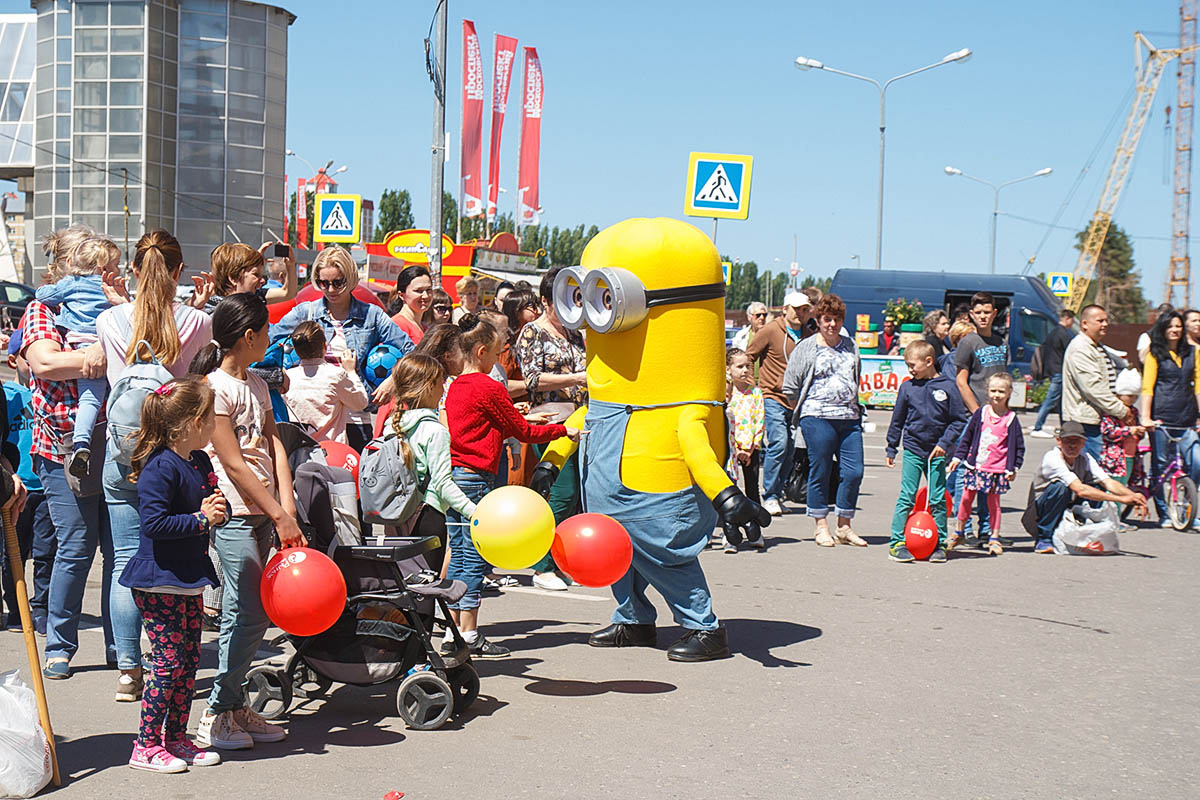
(194, 756)
(155, 759)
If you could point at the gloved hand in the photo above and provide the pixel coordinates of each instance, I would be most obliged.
(738, 511)
(543, 478)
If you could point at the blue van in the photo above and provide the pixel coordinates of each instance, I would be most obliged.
(866, 291)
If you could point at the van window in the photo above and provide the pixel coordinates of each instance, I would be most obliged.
(1035, 328)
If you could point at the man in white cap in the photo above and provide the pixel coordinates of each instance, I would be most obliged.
(771, 347)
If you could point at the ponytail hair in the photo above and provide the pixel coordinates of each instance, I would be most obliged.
(414, 377)
(166, 413)
(476, 331)
(233, 316)
(157, 255)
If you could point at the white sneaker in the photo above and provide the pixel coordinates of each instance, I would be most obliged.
(222, 732)
(1041, 433)
(259, 729)
(549, 581)
(772, 506)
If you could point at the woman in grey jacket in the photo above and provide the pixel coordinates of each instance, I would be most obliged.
(821, 382)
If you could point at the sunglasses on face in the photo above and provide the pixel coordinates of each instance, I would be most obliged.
(336, 283)
(441, 309)
(759, 314)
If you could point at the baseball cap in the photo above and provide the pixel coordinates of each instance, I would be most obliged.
(14, 341)
(796, 299)
(1071, 429)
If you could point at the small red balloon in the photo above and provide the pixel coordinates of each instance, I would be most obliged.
(594, 549)
(920, 534)
(393, 796)
(920, 502)
(302, 591)
(341, 455)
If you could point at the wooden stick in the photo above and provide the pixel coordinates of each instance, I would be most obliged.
(17, 565)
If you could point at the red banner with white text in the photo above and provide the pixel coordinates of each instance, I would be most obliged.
(531, 141)
(506, 53)
(471, 162)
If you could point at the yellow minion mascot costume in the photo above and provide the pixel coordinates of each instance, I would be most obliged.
(651, 296)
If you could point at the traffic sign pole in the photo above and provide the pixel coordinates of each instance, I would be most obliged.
(715, 219)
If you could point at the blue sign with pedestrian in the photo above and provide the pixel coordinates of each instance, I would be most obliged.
(337, 217)
(718, 185)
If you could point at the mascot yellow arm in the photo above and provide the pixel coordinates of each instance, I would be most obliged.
(698, 454)
(561, 449)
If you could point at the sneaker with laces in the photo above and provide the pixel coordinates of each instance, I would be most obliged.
(938, 556)
(222, 732)
(259, 729)
(549, 581)
(193, 756)
(77, 463)
(482, 648)
(1041, 433)
(730, 547)
(899, 553)
(155, 758)
(129, 686)
(772, 507)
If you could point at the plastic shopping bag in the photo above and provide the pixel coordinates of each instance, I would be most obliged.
(1086, 530)
(24, 753)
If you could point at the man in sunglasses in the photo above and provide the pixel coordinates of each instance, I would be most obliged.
(756, 315)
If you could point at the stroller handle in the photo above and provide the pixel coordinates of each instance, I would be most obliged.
(394, 548)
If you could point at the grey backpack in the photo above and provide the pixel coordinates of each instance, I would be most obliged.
(388, 489)
(125, 402)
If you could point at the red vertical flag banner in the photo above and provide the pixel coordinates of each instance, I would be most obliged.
(531, 141)
(287, 215)
(471, 162)
(301, 213)
(506, 53)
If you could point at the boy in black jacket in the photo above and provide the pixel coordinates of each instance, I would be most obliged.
(930, 413)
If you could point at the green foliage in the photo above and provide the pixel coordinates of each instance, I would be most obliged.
(394, 213)
(821, 283)
(293, 232)
(556, 247)
(904, 311)
(746, 285)
(1117, 283)
(1037, 392)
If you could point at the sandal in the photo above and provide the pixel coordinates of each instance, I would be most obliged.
(846, 535)
(823, 538)
(955, 540)
(994, 546)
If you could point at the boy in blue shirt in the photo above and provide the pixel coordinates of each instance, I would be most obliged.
(930, 414)
(35, 531)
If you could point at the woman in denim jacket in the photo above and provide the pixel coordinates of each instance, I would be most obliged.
(349, 324)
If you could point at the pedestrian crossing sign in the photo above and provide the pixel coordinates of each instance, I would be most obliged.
(1060, 283)
(338, 218)
(718, 185)
(727, 271)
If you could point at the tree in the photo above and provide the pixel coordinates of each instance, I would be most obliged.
(821, 283)
(395, 213)
(294, 232)
(1117, 282)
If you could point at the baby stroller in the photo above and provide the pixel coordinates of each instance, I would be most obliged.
(386, 631)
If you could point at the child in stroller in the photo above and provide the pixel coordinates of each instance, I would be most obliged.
(386, 631)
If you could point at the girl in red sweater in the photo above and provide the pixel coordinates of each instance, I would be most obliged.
(480, 416)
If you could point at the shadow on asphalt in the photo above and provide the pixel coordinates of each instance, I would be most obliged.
(756, 638)
(92, 754)
(561, 687)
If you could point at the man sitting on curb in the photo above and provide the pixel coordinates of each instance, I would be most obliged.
(1069, 476)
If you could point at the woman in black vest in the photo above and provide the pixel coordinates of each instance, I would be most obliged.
(1169, 395)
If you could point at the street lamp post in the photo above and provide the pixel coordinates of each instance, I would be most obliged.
(803, 63)
(952, 171)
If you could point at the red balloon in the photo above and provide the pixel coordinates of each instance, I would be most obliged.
(920, 534)
(302, 591)
(341, 455)
(593, 549)
(921, 500)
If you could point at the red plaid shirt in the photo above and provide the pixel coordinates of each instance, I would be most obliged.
(54, 402)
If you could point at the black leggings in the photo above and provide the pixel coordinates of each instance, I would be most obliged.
(432, 523)
(750, 474)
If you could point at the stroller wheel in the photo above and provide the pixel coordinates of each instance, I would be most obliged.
(465, 682)
(269, 691)
(424, 701)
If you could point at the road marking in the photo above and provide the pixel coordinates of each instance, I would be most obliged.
(547, 593)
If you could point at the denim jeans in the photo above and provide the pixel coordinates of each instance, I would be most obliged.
(35, 534)
(1162, 450)
(242, 544)
(1092, 443)
(825, 439)
(91, 399)
(80, 525)
(777, 465)
(1055, 500)
(563, 499)
(1053, 402)
(466, 564)
(954, 485)
(122, 500)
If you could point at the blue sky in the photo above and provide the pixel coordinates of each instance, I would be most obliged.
(632, 87)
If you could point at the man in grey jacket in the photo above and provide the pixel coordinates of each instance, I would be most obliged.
(1088, 377)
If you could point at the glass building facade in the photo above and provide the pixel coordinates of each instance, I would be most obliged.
(17, 62)
(176, 107)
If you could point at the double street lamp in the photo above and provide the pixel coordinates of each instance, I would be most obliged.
(803, 63)
(996, 187)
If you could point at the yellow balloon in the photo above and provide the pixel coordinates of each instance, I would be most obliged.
(513, 527)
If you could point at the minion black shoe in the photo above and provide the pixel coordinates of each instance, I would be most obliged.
(624, 634)
(700, 646)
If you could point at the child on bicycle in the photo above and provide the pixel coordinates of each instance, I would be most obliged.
(1119, 456)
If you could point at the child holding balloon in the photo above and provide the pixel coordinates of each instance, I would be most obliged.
(252, 470)
(178, 504)
(481, 416)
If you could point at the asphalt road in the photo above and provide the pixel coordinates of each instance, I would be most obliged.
(1021, 676)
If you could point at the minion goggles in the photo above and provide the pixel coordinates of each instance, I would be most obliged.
(612, 299)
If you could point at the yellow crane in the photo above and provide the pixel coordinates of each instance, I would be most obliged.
(1149, 63)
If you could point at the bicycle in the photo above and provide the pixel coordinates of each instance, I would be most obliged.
(1179, 491)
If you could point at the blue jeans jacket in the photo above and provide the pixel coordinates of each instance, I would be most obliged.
(367, 326)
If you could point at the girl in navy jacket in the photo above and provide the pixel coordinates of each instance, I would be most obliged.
(178, 502)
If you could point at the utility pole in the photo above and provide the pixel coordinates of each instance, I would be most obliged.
(438, 75)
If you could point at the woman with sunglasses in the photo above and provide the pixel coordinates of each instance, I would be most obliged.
(441, 308)
(414, 289)
(349, 324)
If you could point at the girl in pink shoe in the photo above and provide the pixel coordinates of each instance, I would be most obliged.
(178, 502)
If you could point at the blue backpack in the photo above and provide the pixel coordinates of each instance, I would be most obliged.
(125, 400)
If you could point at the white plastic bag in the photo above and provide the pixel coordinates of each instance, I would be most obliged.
(1086, 530)
(24, 753)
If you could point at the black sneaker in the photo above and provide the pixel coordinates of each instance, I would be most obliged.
(974, 540)
(1005, 541)
(900, 553)
(482, 648)
(210, 622)
(938, 556)
(78, 463)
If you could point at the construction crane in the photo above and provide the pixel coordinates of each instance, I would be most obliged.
(1180, 272)
(1149, 63)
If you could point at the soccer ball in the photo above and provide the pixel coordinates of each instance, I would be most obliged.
(380, 363)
